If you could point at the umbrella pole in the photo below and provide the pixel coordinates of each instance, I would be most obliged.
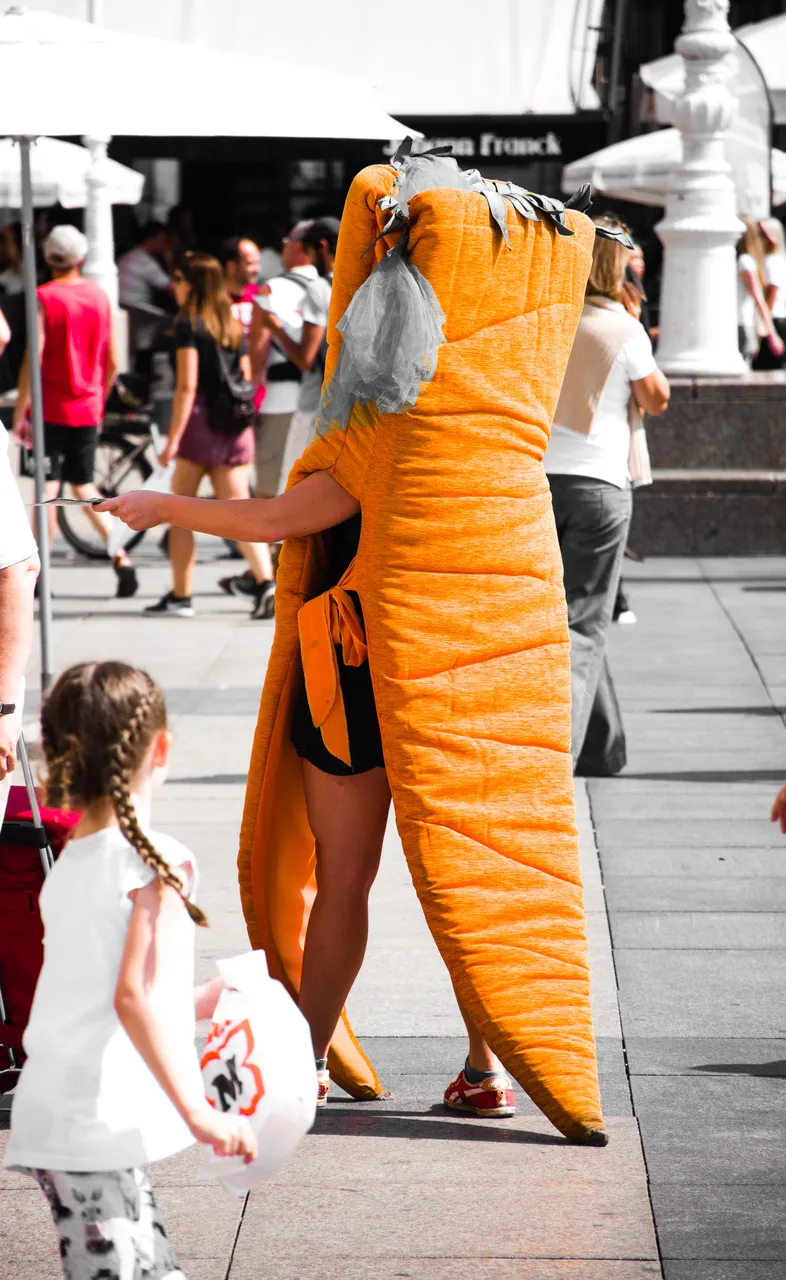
(37, 412)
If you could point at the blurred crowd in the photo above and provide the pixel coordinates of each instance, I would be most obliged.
(245, 322)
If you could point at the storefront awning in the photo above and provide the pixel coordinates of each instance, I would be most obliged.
(640, 169)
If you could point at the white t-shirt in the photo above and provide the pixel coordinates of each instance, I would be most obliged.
(16, 537)
(139, 275)
(85, 1100)
(746, 306)
(775, 273)
(285, 300)
(316, 308)
(603, 454)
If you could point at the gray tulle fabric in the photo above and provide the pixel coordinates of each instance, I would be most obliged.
(392, 329)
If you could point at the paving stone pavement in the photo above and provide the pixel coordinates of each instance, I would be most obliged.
(402, 1188)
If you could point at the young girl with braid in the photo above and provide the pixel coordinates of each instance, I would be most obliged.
(112, 1080)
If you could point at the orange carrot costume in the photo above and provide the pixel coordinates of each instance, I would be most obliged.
(460, 579)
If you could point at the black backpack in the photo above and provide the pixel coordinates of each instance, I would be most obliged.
(232, 407)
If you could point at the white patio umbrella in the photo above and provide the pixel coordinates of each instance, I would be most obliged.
(58, 173)
(639, 169)
(60, 77)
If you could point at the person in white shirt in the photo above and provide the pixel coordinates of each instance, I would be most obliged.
(283, 296)
(141, 280)
(307, 354)
(754, 317)
(112, 1079)
(773, 270)
(18, 573)
(587, 463)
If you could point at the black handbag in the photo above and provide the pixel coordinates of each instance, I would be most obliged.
(232, 407)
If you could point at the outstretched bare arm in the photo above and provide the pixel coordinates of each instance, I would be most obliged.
(318, 502)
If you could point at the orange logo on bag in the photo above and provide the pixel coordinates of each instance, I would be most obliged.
(232, 1082)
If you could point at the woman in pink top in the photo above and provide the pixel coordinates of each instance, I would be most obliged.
(78, 368)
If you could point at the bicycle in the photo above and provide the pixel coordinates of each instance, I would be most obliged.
(122, 463)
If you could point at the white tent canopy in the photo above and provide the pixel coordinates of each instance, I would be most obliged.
(639, 169)
(764, 41)
(442, 58)
(59, 172)
(63, 77)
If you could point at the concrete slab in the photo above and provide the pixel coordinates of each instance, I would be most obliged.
(705, 993)
(664, 893)
(718, 1269)
(694, 930)
(684, 1124)
(591, 1212)
(347, 1268)
(685, 1055)
(729, 1222)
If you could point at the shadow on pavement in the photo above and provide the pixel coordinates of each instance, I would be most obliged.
(775, 1069)
(719, 711)
(706, 775)
(343, 1119)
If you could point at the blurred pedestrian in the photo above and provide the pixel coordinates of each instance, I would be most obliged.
(308, 354)
(588, 465)
(284, 297)
(774, 276)
(144, 284)
(78, 370)
(11, 278)
(239, 258)
(18, 573)
(754, 317)
(209, 348)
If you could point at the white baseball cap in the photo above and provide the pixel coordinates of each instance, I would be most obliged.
(65, 246)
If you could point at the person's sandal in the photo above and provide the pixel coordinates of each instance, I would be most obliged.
(127, 580)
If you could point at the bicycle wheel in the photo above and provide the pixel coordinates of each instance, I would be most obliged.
(120, 465)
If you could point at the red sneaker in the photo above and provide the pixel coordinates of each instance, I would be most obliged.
(492, 1097)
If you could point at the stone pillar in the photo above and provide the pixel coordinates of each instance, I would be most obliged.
(698, 315)
(100, 263)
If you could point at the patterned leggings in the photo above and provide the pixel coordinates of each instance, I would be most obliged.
(108, 1226)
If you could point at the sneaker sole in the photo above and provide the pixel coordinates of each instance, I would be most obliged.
(169, 613)
(481, 1112)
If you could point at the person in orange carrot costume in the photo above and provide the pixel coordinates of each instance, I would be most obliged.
(442, 621)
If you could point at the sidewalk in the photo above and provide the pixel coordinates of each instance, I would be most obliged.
(402, 1188)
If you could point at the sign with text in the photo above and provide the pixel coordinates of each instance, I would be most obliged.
(490, 144)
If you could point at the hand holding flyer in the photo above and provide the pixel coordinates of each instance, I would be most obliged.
(258, 1062)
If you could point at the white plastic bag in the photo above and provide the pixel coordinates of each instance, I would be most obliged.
(259, 1062)
(159, 481)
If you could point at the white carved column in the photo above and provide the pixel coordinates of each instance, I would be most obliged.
(698, 315)
(100, 262)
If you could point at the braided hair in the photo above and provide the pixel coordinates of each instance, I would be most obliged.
(97, 724)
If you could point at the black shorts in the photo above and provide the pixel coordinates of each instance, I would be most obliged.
(71, 452)
(365, 741)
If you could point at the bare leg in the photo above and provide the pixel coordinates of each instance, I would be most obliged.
(348, 817)
(480, 1057)
(102, 521)
(234, 482)
(185, 483)
(50, 491)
